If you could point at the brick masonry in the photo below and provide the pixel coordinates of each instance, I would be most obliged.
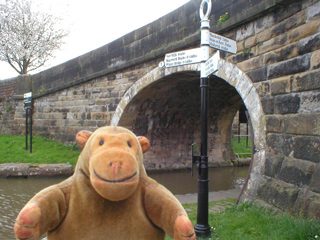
(7, 105)
(275, 73)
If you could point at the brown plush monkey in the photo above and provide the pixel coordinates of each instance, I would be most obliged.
(109, 196)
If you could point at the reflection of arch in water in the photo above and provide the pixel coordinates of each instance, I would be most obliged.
(157, 80)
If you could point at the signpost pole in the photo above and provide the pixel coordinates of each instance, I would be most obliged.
(27, 129)
(28, 105)
(30, 130)
(208, 67)
(202, 227)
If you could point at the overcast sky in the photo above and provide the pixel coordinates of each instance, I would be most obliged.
(95, 23)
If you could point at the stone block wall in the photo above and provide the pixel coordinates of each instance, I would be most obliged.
(280, 53)
(61, 114)
(7, 105)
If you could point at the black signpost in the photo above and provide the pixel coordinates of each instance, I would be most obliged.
(28, 106)
(208, 67)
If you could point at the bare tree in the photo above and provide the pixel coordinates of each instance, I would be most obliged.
(27, 37)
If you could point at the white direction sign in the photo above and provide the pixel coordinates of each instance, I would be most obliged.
(183, 57)
(223, 43)
(212, 64)
(27, 95)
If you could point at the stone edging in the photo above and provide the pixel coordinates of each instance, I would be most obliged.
(26, 170)
(29, 170)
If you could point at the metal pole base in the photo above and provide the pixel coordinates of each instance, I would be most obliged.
(202, 231)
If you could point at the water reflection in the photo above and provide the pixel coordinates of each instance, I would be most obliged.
(219, 179)
(15, 193)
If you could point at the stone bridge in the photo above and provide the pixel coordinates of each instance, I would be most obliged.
(275, 75)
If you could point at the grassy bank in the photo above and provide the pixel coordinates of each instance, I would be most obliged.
(240, 147)
(12, 150)
(247, 221)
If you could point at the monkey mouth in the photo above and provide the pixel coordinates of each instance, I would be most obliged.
(114, 181)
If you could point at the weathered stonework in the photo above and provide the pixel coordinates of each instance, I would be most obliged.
(7, 105)
(278, 193)
(27, 170)
(297, 172)
(307, 203)
(275, 74)
(315, 180)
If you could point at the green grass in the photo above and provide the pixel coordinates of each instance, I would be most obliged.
(247, 221)
(12, 150)
(242, 146)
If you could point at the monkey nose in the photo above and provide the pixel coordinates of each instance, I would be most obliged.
(112, 163)
(115, 167)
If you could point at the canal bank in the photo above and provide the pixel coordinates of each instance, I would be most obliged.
(213, 196)
(26, 170)
(15, 192)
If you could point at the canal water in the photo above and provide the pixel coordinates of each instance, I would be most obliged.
(15, 192)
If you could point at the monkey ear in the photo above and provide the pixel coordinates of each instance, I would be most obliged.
(144, 142)
(82, 138)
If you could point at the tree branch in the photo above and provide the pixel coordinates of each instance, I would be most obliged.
(27, 38)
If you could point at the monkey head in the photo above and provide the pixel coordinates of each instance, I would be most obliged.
(114, 161)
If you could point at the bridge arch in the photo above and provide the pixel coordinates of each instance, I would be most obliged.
(151, 77)
(135, 112)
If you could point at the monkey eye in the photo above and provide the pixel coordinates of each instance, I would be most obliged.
(101, 142)
(129, 144)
